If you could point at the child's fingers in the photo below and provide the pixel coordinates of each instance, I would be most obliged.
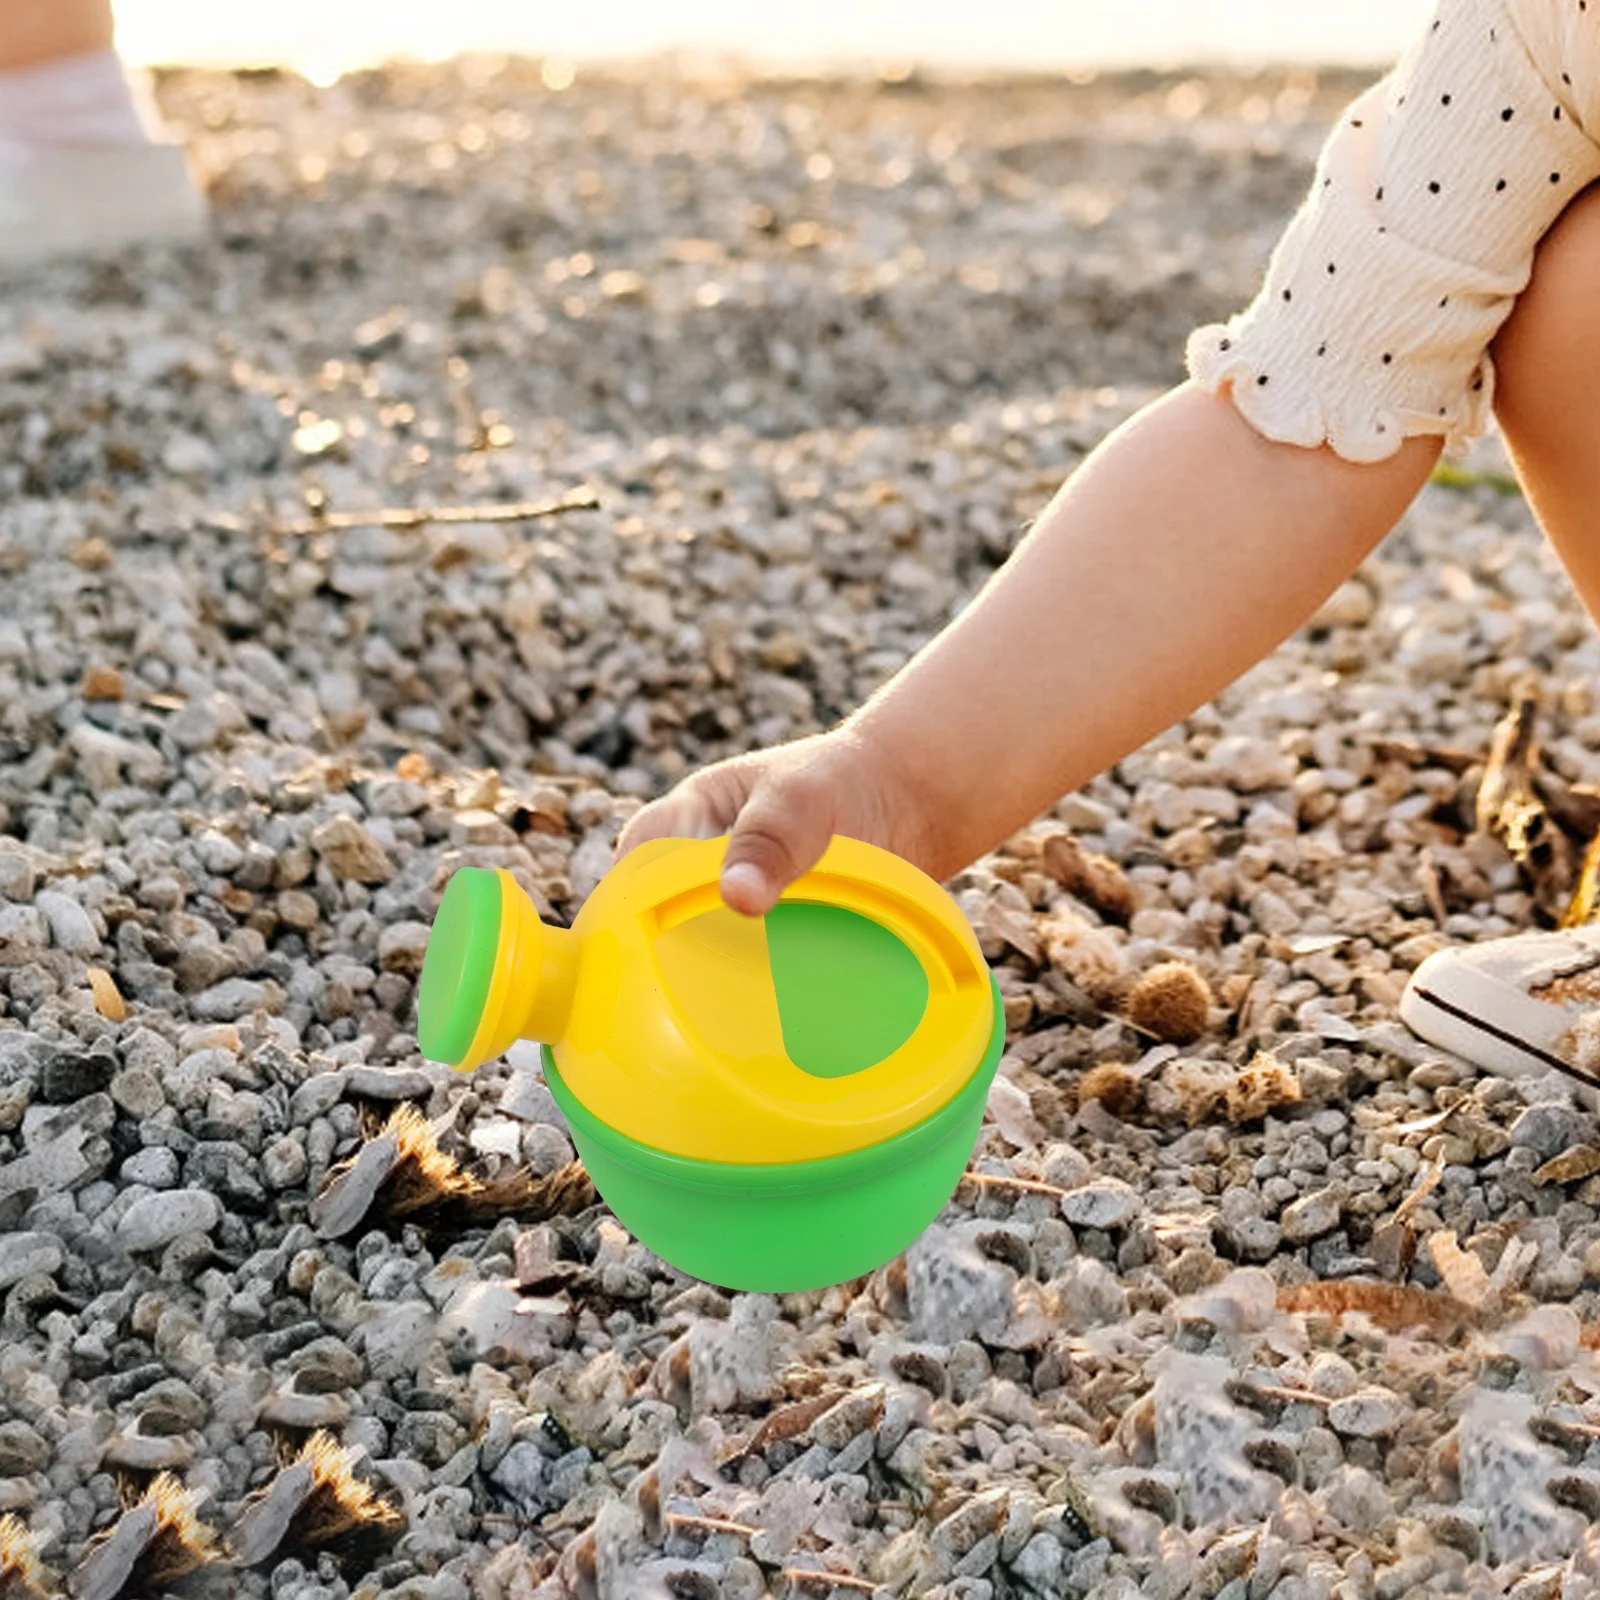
(700, 808)
(781, 832)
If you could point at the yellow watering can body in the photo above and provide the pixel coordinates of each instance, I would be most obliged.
(660, 1009)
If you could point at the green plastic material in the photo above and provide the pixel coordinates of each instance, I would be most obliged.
(849, 992)
(786, 1227)
(458, 965)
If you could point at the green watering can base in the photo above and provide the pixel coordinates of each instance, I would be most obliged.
(785, 1228)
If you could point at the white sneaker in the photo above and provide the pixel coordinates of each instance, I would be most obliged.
(1523, 1006)
(87, 199)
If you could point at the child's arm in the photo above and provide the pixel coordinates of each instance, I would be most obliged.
(1186, 547)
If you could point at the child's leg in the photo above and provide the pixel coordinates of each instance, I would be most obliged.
(83, 164)
(1491, 1002)
(1547, 369)
(35, 31)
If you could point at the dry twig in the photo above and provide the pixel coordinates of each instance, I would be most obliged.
(405, 518)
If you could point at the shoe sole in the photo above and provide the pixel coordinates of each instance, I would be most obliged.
(1440, 1022)
(98, 201)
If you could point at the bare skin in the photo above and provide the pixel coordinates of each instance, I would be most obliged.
(35, 31)
(1546, 396)
(1184, 549)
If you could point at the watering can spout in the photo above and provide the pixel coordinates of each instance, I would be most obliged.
(494, 973)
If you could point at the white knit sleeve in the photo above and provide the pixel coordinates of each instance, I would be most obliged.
(1381, 299)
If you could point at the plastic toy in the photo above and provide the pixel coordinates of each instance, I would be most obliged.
(768, 1103)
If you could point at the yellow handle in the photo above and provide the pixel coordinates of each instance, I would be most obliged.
(682, 883)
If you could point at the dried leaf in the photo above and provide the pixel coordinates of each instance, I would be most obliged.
(1264, 1086)
(108, 1000)
(1581, 1161)
(787, 1422)
(1509, 807)
(1094, 879)
(1463, 1273)
(1431, 1177)
(1394, 1307)
(1581, 907)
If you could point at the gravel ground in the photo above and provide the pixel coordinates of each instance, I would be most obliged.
(1249, 1294)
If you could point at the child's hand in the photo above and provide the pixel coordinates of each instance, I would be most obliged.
(781, 807)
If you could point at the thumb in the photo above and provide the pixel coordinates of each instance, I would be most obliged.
(780, 833)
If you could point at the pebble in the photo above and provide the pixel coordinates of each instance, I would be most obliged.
(1549, 1128)
(71, 927)
(155, 1221)
(1370, 1413)
(1101, 1203)
(1312, 1216)
(23, 1255)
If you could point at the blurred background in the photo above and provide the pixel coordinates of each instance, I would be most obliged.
(323, 40)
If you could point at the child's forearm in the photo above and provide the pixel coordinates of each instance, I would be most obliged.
(1139, 595)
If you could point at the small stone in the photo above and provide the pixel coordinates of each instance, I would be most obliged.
(954, 1290)
(402, 946)
(1549, 1128)
(1039, 1563)
(17, 874)
(102, 684)
(219, 854)
(1101, 1203)
(284, 1163)
(1571, 1166)
(229, 1000)
(856, 1413)
(21, 1450)
(70, 926)
(137, 1092)
(351, 852)
(298, 911)
(158, 1219)
(26, 1254)
(521, 1473)
(155, 1168)
(1371, 1413)
(1312, 1215)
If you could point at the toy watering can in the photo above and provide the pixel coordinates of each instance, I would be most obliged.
(772, 1103)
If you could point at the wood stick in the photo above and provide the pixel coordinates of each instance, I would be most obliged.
(834, 1580)
(410, 517)
(995, 1180)
(713, 1524)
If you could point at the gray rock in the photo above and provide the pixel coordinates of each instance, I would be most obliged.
(219, 854)
(21, 1450)
(1102, 1203)
(398, 1338)
(71, 927)
(1312, 1215)
(1550, 1128)
(955, 1291)
(25, 1254)
(526, 1098)
(521, 1474)
(229, 1000)
(1371, 1413)
(155, 1221)
(1040, 1562)
(155, 1168)
(402, 946)
(284, 1163)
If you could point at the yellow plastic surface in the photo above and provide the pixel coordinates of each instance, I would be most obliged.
(666, 1026)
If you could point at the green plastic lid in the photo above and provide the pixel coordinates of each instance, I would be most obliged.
(459, 965)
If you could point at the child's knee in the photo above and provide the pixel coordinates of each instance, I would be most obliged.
(1547, 352)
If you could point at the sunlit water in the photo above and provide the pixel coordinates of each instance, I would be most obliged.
(325, 37)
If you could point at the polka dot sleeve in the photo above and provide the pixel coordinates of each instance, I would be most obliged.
(1381, 299)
